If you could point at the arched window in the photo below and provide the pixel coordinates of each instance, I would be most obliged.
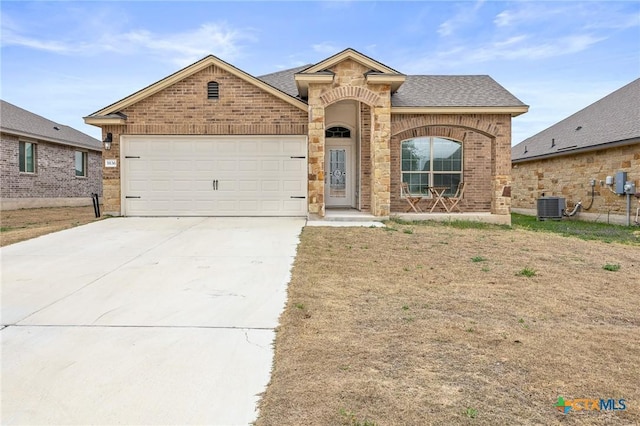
(430, 161)
(337, 132)
(213, 90)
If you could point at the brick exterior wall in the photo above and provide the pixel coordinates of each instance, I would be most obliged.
(568, 176)
(55, 171)
(183, 109)
(486, 145)
(242, 109)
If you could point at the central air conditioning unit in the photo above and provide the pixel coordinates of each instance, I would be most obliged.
(551, 208)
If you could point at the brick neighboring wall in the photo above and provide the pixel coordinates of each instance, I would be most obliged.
(55, 171)
(568, 176)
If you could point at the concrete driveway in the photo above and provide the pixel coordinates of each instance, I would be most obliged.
(143, 320)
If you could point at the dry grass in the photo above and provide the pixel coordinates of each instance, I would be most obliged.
(430, 324)
(24, 224)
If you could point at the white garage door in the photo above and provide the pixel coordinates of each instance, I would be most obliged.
(214, 175)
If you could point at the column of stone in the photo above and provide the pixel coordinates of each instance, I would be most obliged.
(381, 156)
(316, 152)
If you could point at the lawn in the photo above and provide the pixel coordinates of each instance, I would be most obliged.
(438, 324)
(24, 224)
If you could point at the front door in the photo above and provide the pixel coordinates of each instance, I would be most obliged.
(339, 176)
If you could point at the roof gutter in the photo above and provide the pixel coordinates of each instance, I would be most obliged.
(514, 111)
(105, 120)
(563, 152)
(64, 142)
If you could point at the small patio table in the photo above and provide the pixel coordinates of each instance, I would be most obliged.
(438, 194)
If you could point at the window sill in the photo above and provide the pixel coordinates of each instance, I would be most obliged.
(81, 177)
(28, 174)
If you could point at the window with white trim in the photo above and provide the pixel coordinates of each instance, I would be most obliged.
(81, 163)
(431, 161)
(27, 157)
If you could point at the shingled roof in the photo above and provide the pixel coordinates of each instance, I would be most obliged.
(283, 80)
(425, 90)
(613, 120)
(453, 91)
(18, 121)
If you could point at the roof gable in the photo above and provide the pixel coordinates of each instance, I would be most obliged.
(354, 55)
(610, 121)
(322, 71)
(100, 116)
(19, 121)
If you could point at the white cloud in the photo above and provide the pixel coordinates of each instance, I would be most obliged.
(181, 48)
(464, 15)
(524, 47)
(326, 48)
(588, 15)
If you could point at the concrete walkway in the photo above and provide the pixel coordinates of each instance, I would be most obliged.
(143, 320)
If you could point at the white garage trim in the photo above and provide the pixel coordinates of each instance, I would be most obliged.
(175, 175)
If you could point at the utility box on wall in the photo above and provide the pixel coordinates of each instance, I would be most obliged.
(621, 179)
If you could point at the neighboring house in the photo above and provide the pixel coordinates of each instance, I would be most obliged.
(211, 139)
(565, 159)
(45, 164)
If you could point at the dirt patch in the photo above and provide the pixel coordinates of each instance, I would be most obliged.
(24, 224)
(437, 325)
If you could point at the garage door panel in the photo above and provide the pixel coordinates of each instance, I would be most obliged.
(214, 175)
(226, 165)
(248, 147)
(270, 165)
(293, 186)
(204, 165)
(248, 166)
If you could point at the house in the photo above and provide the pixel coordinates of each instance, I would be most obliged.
(573, 158)
(343, 133)
(45, 164)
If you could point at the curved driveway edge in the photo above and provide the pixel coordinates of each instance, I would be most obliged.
(143, 320)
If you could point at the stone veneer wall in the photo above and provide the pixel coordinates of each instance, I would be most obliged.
(350, 83)
(568, 176)
(183, 109)
(55, 172)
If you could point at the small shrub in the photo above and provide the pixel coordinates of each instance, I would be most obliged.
(611, 267)
(472, 413)
(478, 259)
(526, 272)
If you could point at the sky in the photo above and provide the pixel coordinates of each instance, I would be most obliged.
(65, 60)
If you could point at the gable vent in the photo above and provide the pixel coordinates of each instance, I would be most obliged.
(213, 91)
